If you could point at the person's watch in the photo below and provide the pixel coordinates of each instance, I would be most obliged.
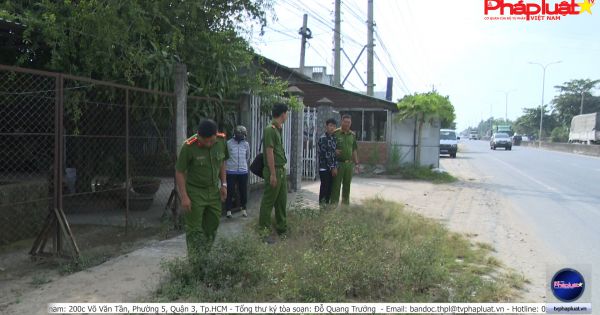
(224, 185)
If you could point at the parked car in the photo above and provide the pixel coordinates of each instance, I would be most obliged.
(448, 142)
(500, 140)
(473, 136)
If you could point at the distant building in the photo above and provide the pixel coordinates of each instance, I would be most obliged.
(317, 73)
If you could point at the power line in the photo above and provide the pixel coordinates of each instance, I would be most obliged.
(283, 33)
(319, 19)
(385, 50)
(352, 12)
(360, 17)
(417, 40)
(389, 74)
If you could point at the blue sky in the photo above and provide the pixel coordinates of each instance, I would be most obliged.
(446, 44)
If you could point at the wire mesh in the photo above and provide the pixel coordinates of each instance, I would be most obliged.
(27, 142)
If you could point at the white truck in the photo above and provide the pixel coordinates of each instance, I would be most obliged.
(473, 135)
(585, 129)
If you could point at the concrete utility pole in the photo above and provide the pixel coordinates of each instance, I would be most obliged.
(491, 120)
(506, 103)
(370, 45)
(337, 61)
(586, 88)
(581, 107)
(506, 107)
(304, 32)
(543, 87)
(181, 89)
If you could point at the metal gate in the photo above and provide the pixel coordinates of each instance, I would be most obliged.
(259, 120)
(309, 144)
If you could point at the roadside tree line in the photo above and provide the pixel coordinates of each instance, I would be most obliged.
(575, 97)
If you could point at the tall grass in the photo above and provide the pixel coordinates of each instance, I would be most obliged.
(373, 253)
(411, 171)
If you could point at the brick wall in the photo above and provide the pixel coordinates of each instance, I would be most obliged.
(366, 152)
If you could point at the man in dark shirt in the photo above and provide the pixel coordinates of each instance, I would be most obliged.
(327, 161)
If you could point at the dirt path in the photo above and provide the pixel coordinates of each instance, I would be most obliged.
(132, 277)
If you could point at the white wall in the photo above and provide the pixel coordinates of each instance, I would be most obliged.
(430, 145)
(403, 139)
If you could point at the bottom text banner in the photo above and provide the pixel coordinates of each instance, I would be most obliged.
(296, 308)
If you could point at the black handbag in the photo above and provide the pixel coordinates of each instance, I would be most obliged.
(257, 165)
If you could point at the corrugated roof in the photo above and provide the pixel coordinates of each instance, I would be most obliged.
(315, 91)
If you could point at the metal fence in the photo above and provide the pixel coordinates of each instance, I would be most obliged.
(259, 119)
(102, 152)
(309, 144)
(27, 152)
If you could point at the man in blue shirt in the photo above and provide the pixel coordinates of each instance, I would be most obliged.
(327, 161)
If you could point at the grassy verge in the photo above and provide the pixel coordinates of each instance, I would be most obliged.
(412, 172)
(424, 173)
(373, 253)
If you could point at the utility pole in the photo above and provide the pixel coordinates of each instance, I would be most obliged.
(304, 32)
(337, 61)
(370, 45)
(543, 87)
(506, 109)
(581, 107)
(491, 120)
(506, 103)
(586, 88)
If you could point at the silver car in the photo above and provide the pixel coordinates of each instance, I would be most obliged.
(500, 140)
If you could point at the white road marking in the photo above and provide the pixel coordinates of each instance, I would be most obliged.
(527, 176)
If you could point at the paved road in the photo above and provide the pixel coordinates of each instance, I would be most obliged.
(557, 194)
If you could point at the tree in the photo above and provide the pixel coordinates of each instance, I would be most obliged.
(425, 107)
(529, 122)
(559, 134)
(139, 42)
(575, 97)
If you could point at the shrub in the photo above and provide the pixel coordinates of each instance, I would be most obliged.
(560, 134)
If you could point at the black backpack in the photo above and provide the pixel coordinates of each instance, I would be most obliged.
(257, 165)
